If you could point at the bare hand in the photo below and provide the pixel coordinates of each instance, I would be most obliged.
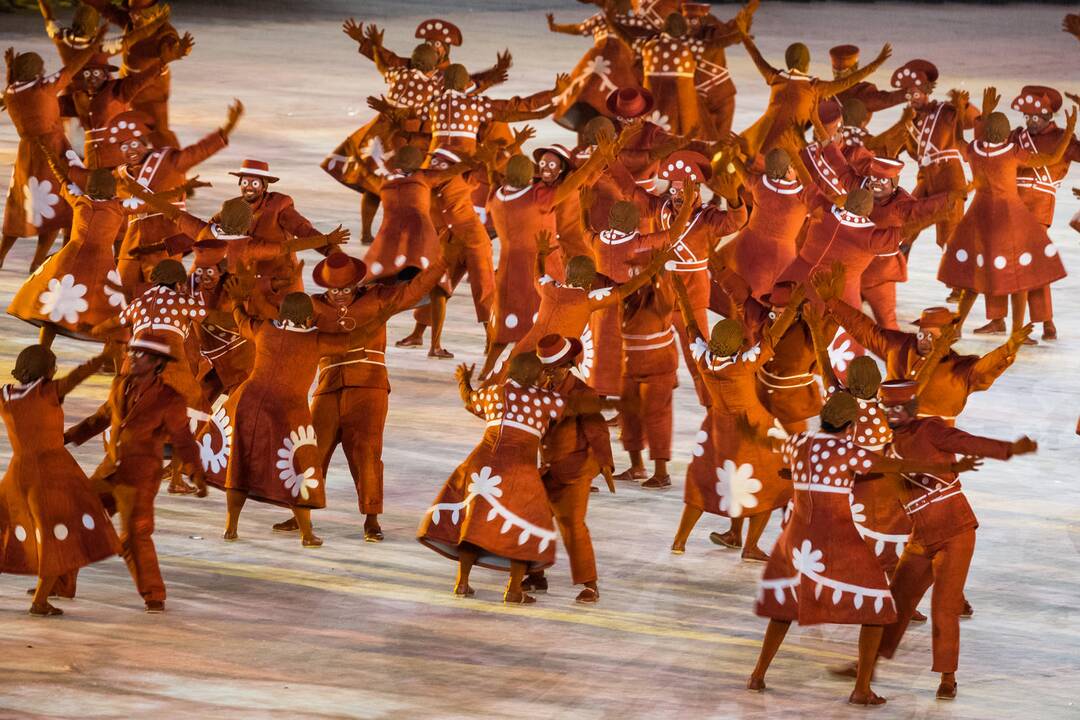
(235, 112)
(543, 242)
(886, 52)
(523, 135)
(354, 30)
(464, 373)
(1071, 25)
(967, 464)
(1070, 120)
(194, 184)
(562, 82)
(990, 100)
(550, 20)
(179, 49)
(337, 236)
(374, 35)
(1024, 446)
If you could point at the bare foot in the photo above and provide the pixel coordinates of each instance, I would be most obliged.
(730, 539)
(755, 684)
(755, 554)
(286, 526)
(440, 354)
(229, 535)
(865, 698)
(312, 541)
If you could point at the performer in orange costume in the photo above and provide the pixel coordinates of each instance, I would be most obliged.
(845, 60)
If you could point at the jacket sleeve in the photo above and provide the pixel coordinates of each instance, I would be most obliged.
(598, 438)
(873, 337)
(176, 424)
(293, 222)
(90, 427)
(956, 441)
(983, 371)
(190, 156)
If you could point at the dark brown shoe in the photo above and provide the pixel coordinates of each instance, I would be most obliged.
(946, 691)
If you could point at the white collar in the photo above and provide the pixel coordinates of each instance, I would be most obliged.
(782, 187)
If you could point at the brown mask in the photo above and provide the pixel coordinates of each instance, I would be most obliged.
(235, 216)
(859, 202)
(863, 377)
(854, 111)
(101, 185)
(797, 57)
(777, 163)
(27, 66)
(727, 337)
(456, 77)
(168, 272)
(519, 171)
(581, 271)
(34, 362)
(85, 21)
(424, 58)
(408, 158)
(675, 25)
(597, 126)
(525, 368)
(997, 128)
(840, 409)
(624, 216)
(296, 308)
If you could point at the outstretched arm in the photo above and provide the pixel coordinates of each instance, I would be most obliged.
(1054, 156)
(73, 379)
(767, 71)
(815, 320)
(692, 328)
(828, 88)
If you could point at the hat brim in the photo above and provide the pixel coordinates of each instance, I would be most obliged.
(613, 104)
(256, 173)
(359, 272)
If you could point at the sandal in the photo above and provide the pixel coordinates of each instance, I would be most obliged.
(440, 354)
(44, 609)
(525, 599)
(588, 596)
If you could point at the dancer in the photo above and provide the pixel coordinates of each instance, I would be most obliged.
(943, 533)
(141, 414)
(53, 524)
(999, 248)
(30, 98)
(712, 80)
(734, 476)
(820, 548)
(575, 449)
(845, 60)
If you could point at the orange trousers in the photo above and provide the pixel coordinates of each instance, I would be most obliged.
(476, 259)
(134, 486)
(1040, 305)
(647, 419)
(354, 417)
(882, 301)
(945, 565)
(569, 500)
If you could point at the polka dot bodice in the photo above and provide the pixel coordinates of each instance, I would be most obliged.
(870, 430)
(161, 308)
(821, 462)
(665, 55)
(512, 406)
(409, 88)
(455, 114)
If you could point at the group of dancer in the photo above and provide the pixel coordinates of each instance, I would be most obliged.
(613, 250)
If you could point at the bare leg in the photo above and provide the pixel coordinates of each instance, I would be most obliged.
(774, 636)
(636, 471)
(40, 604)
(369, 204)
(308, 538)
(732, 538)
(869, 642)
(6, 244)
(751, 551)
(44, 245)
(47, 334)
(234, 503)
(466, 559)
(415, 338)
(438, 317)
(690, 515)
(514, 593)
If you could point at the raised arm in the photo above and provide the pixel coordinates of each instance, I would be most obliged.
(829, 285)
(566, 28)
(815, 320)
(73, 379)
(767, 71)
(494, 75)
(828, 88)
(776, 330)
(1055, 155)
(687, 310)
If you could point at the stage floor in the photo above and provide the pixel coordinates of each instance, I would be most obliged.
(261, 628)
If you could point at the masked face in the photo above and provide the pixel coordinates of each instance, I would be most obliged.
(252, 188)
(926, 339)
(675, 194)
(442, 50)
(555, 376)
(897, 415)
(341, 297)
(550, 167)
(881, 187)
(207, 278)
(93, 79)
(134, 150)
(917, 99)
(1038, 123)
(140, 363)
(438, 162)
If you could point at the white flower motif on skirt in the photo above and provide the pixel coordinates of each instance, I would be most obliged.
(297, 482)
(113, 288)
(132, 203)
(736, 486)
(661, 120)
(841, 351)
(216, 460)
(584, 369)
(807, 559)
(64, 299)
(39, 201)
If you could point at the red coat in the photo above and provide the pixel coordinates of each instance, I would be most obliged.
(786, 383)
(113, 98)
(903, 211)
(648, 332)
(873, 98)
(933, 145)
(766, 246)
(669, 65)
(576, 447)
(607, 66)
(1038, 186)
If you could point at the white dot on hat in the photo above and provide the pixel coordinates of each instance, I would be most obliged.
(1029, 99)
(1025, 259)
(1000, 262)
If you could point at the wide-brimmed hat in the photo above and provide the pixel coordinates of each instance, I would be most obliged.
(1037, 99)
(555, 149)
(257, 168)
(152, 342)
(441, 30)
(934, 317)
(555, 348)
(339, 270)
(630, 102)
(210, 252)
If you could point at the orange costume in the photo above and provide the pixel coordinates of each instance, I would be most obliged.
(51, 522)
(227, 357)
(786, 382)
(138, 426)
(456, 117)
(845, 59)
(111, 99)
(352, 396)
(669, 65)
(712, 80)
(495, 500)
(767, 245)
(78, 287)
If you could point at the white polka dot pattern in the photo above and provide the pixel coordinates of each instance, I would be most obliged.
(161, 308)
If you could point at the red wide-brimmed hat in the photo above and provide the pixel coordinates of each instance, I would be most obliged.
(257, 168)
(882, 167)
(555, 149)
(152, 342)
(934, 317)
(696, 9)
(339, 270)
(686, 165)
(555, 348)
(630, 102)
(897, 392)
(1036, 100)
(844, 57)
(128, 125)
(440, 30)
(915, 75)
(830, 110)
(100, 60)
(210, 252)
